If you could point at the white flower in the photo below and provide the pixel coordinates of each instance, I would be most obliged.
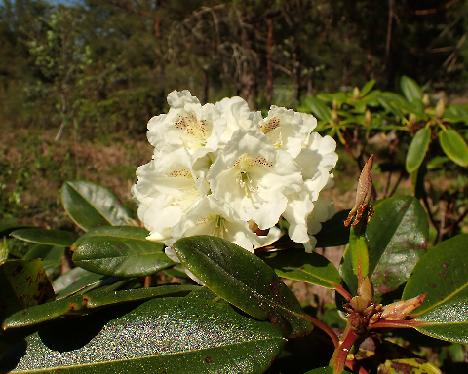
(188, 124)
(250, 176)
(287, 129)
(316, 160)
(210, 218)
(323, 210)
(166, 188)
(221, 169)
(234, 114)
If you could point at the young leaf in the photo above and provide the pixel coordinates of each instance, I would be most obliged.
(417, 149)
(120, 251)
(410, 89)
(41, 236)
(171, 335)
(243, 279)
(307, 267)
(355, 260)
(90, 205)
(454, 147)
(441, 275)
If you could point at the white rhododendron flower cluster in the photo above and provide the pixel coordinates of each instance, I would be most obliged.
(221, 169)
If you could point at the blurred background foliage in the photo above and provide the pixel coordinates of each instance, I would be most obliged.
(80, 78)
(108, 65)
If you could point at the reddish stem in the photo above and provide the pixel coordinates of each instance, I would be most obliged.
(327, 329)
(342, 291)
(340, 354)
(353, 365)
(398, 323)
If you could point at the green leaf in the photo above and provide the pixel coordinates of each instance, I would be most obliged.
(355, 261)
(456, 113)
(397, 236)
(75, 280)
(199, 334)
(22, 284)
(319, 108)
(90, 205)
(417, 149)
(41, 236)
(81, 304)
(307, 267)
(243, 279)
(454, 147)
(333, 232)
(367, 88)
(442, 275)
(120, 251)
(410, 89)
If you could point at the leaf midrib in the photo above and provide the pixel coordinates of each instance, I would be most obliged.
(443, 301)
(260, 296)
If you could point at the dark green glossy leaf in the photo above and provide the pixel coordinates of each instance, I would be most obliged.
(81, 304)
(241, 278)
(319, 108)
(417, 149)
(397, 236)
(442, 275)
(120, 251)
(307, 267)
(22, 284)
(454, 147)
(76, 280)
(90, 205)
(410, 89)
(199, 334)
(41, 236)
(333, 232)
